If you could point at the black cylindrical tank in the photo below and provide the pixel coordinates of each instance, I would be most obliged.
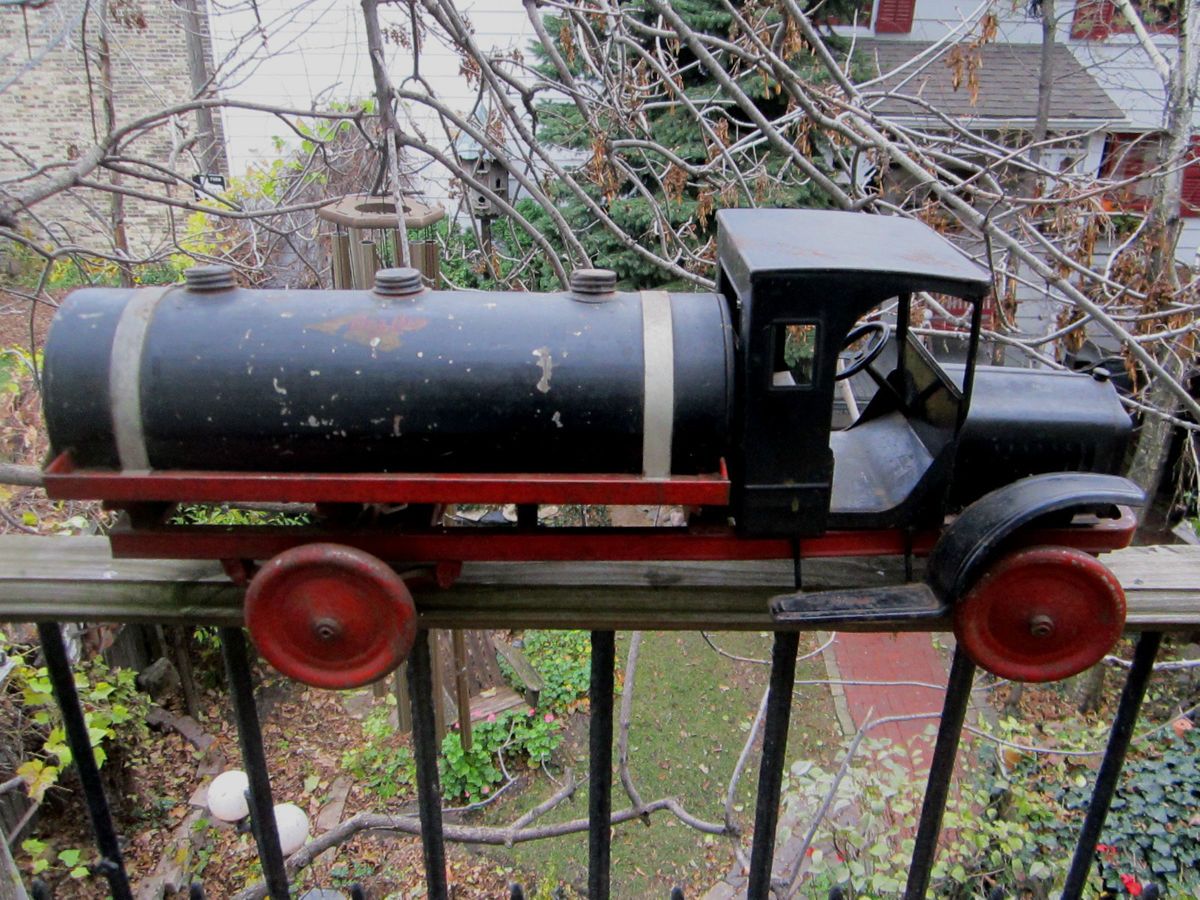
(440, 381)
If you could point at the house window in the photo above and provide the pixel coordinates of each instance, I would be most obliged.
(1097, 19)
(1128, 156)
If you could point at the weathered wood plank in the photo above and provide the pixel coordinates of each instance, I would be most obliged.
(76, 579)
(530, 677)
(498, 700)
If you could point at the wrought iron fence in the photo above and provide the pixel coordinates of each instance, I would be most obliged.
(779, 701)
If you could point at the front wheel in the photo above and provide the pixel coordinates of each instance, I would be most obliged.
(1041, 614)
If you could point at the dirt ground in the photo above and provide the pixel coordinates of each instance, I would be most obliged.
(305, 733)
(15, 322)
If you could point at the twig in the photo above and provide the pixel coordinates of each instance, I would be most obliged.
(626, 715)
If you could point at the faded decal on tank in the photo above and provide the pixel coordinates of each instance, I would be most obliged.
(383, 333)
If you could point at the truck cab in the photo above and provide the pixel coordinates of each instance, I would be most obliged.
(802, 287)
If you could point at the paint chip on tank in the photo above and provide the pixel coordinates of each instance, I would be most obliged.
(545, 362)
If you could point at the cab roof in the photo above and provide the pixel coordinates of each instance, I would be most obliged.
(753, 242)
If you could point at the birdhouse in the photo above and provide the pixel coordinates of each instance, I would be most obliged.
(487, 171)
(491, 172)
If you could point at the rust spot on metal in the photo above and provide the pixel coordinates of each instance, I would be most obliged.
(377, 332)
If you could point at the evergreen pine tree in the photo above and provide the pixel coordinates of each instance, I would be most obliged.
(687, 200)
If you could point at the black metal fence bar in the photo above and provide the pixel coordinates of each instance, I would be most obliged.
(941, 768)
(774, 753)
(429, 793)
(782, 679)
(600, 737)
(62, 682)
(262, 809)
(1114, 758)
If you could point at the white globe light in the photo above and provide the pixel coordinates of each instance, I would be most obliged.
(227, 796)
(292, 824)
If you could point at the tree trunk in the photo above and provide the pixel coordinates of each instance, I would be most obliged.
(206, 149)
(387, 117)
(1029, 183)
(11, 887)
(1016, 690)
(1163, 227)
(1091, 688)
(120, 238)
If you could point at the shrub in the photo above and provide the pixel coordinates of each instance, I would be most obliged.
(381, 764)
(1152, 832)
(563, 659)
(517, 737)
(113, 710)
(384, 765)
(866, 841)
(1013, 827)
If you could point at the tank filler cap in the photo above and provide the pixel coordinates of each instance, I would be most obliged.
(398, 282)
(209, 278)
(592, 285)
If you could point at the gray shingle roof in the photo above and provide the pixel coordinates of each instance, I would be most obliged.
(1008, 83)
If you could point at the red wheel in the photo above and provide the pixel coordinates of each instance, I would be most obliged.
(1041, 614)
(330, 616)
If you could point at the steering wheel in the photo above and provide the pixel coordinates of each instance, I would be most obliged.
(880, 332)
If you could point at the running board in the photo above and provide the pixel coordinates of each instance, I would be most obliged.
(898, 605)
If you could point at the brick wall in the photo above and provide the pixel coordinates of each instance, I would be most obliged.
(47, 110)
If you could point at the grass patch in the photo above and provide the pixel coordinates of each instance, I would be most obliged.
(692, 711)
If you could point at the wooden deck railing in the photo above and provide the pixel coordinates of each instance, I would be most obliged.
(75, 579)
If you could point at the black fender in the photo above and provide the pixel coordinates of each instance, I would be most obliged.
(974, 537)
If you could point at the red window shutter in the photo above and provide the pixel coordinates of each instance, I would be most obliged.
(894, 16)
(1093, 19)
(1189, 201)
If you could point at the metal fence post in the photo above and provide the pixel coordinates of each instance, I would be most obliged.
(1114, 758)
(429, 792)
(770, 774)
(941, 768)
(62, 682)
(600, 735)
(262, 809)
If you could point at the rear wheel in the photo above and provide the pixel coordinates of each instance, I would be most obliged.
(330, 616)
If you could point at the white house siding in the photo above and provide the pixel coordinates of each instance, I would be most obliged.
(1117, 63)
(316, 52)
(316, 49)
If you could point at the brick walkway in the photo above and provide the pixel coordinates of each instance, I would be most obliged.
(909, 657)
